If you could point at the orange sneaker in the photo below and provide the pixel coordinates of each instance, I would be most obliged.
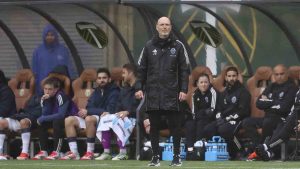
(253, 156)
(40, 155)
(53, 156)
(23, 156)
(70, 156)
(87, 156)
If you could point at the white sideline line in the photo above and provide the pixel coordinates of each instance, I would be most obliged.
(113, 166)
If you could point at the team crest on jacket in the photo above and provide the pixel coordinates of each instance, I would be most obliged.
(281, 94)
(270, 95)
(173, 51)
(233, 99)
(206, 99)
(154, 52)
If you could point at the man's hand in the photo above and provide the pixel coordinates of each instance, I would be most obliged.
(122, 114)
(264, 97)
(147, 126)
(45, 96)
(104, 113)
(82, 113)
(182, 96)
(139, 94)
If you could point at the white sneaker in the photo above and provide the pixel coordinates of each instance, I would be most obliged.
(120, 156)
(104, 156)
(3, 157)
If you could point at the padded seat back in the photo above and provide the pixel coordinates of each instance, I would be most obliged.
(23, 87)
(83, 87)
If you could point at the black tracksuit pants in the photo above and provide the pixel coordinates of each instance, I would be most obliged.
(174, 119)
(58, 134)
(195, 131)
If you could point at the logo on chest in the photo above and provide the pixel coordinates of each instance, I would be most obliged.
(154, 52)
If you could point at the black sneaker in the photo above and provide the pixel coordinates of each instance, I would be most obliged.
(262, 153)
(155, 161)
(176, 161)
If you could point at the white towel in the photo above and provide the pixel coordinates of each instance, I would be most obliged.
(122, 128)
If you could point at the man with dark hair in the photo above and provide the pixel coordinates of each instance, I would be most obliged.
(48, 55)
(233, 106)
(56, 105)
(7, 109)
(122, 121)
(101, 102)
(163, 78)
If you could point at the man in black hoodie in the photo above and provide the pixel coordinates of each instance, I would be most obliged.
(7, 109)
(233, 107)
(163, 81)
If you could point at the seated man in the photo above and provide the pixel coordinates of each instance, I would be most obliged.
(27, 120)
(56, 105)
(7, 109)
(276, 101)
(281, 134)
(102, 101)
(233, 107)
(123, 121)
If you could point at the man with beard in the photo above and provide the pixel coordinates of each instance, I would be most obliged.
(163, 81)
(101, 102)
(233, 106)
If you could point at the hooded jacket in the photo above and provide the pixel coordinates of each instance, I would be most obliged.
(163, 73)
(7, 98)
(103, 100)
(47, 56)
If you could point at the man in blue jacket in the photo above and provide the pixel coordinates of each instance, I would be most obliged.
(100, 103)
(56, 105)
(48, 55)
(7, 109)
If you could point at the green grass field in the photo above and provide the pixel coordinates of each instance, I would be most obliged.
(133, 164)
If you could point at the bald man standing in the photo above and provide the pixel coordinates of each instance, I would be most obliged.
(163, 83)
(276, 101)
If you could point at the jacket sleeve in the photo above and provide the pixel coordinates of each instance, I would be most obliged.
(119, 103)
(285, 104)
(7, 101)
(264, 104)
(244, 104)
(60, 114)
(110, 107)
(183, 62)
(142, 70)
